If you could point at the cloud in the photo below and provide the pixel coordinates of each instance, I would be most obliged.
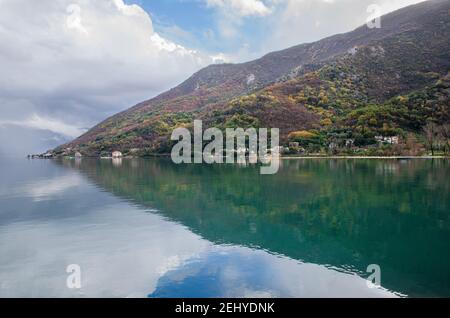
(300, 21)
(230, 15)
(67, 64)
(45, 189)
(98, 241)
(248, 32)
(241, 8)
(50, 124)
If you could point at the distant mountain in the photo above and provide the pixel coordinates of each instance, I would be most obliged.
(27, 140)
(368, 82)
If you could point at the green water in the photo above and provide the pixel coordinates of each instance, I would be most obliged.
(317, 224)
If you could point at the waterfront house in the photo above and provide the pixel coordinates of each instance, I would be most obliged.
(391, 140)
(117, 154)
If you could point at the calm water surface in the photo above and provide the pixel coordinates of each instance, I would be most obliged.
(148, 228)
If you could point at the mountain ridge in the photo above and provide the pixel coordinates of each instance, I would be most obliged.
(213, 89)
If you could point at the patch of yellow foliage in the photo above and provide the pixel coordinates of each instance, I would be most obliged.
(302, 134)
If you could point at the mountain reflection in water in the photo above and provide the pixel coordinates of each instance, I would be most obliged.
(227, 231)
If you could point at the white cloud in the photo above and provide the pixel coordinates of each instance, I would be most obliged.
(43, 123)
(300, 21)
(241, 7)
(74, 62)
(232, 13)
(285, 23)
(387, 6)
(42, 190)
(99, 242)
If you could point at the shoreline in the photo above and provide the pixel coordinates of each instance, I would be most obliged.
(281, 157)
(364, 157)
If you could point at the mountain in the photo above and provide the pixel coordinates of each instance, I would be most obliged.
(358, 85)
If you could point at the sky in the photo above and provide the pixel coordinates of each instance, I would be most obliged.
(66, 65)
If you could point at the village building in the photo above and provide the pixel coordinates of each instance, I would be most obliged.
(349, 143)
(280, 149)
(333, 146)
(241, 151)
(294, 148)
(117, 154)
(391, 140)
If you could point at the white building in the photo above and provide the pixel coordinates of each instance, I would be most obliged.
(117, 154)
(394, 140)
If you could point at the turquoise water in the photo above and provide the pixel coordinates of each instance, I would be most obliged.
(148, 228)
